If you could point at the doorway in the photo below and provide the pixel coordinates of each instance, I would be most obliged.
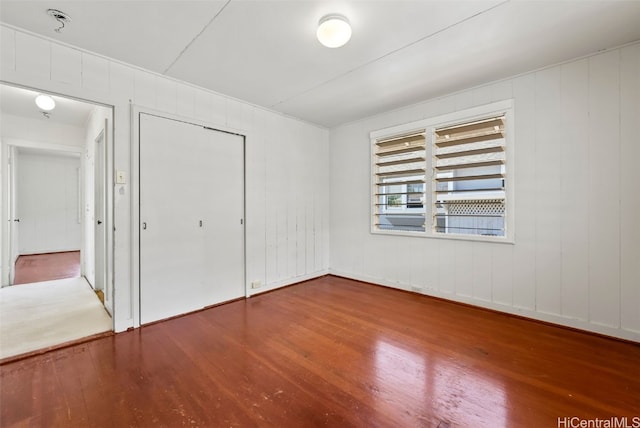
(54, 181)
(46, 233)
(47, 204)
(191, 193)
(55, 199)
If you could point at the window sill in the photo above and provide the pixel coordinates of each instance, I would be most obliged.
(452, 237)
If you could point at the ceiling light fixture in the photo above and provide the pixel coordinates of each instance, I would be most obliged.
(334, 31)
(45, 102)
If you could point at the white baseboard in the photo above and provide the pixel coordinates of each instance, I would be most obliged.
(289, 281)
(619, 333)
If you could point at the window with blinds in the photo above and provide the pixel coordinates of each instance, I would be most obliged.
(469, 174)
(399, 182)
(449, 176)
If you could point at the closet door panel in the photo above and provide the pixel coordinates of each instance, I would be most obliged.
(183, 230)
(224, 243)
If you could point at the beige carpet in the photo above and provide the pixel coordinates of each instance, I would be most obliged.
(43, 314)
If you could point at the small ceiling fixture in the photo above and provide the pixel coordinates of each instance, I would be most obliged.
(333, 31)
(45, 102)
(59, 16)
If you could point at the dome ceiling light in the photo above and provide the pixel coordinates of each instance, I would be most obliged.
(334, 31)
(45, 102)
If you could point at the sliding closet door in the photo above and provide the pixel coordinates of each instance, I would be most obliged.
(191, 217)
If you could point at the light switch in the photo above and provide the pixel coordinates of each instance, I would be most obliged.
(121, 177)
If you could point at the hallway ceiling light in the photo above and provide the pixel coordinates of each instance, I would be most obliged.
(45, 102)
(334, 31)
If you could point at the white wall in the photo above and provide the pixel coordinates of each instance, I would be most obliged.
(48, 202)
(576, 258)
(287, 222)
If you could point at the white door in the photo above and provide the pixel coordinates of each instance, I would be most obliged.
(191, 217)
(99, 212)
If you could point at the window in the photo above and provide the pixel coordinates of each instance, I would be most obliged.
(400, 166)
(446, 177)
(469, 170)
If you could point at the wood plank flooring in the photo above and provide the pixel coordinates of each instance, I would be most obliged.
(46, 267)
(328, 352)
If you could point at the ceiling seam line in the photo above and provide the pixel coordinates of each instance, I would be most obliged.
(196, 37)
(428, 36)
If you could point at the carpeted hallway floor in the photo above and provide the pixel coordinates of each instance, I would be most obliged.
(44, 314)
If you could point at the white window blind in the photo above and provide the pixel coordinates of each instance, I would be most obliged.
(469, 170)
(399, 187)
(449, 176)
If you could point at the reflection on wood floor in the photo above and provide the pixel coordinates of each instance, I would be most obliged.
(47, 267)
(328, 352)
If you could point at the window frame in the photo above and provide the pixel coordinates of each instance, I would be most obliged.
(428, 126)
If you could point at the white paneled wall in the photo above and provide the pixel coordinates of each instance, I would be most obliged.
(630, 202)
(576, 258)
(48, 204)
(287, 174)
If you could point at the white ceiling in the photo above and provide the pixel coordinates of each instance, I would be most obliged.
(21, 102)
(401, 52)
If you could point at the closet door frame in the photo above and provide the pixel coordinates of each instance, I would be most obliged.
(136, 111)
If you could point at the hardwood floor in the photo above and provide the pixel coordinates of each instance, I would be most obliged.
(328, 352)
(46, 267)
